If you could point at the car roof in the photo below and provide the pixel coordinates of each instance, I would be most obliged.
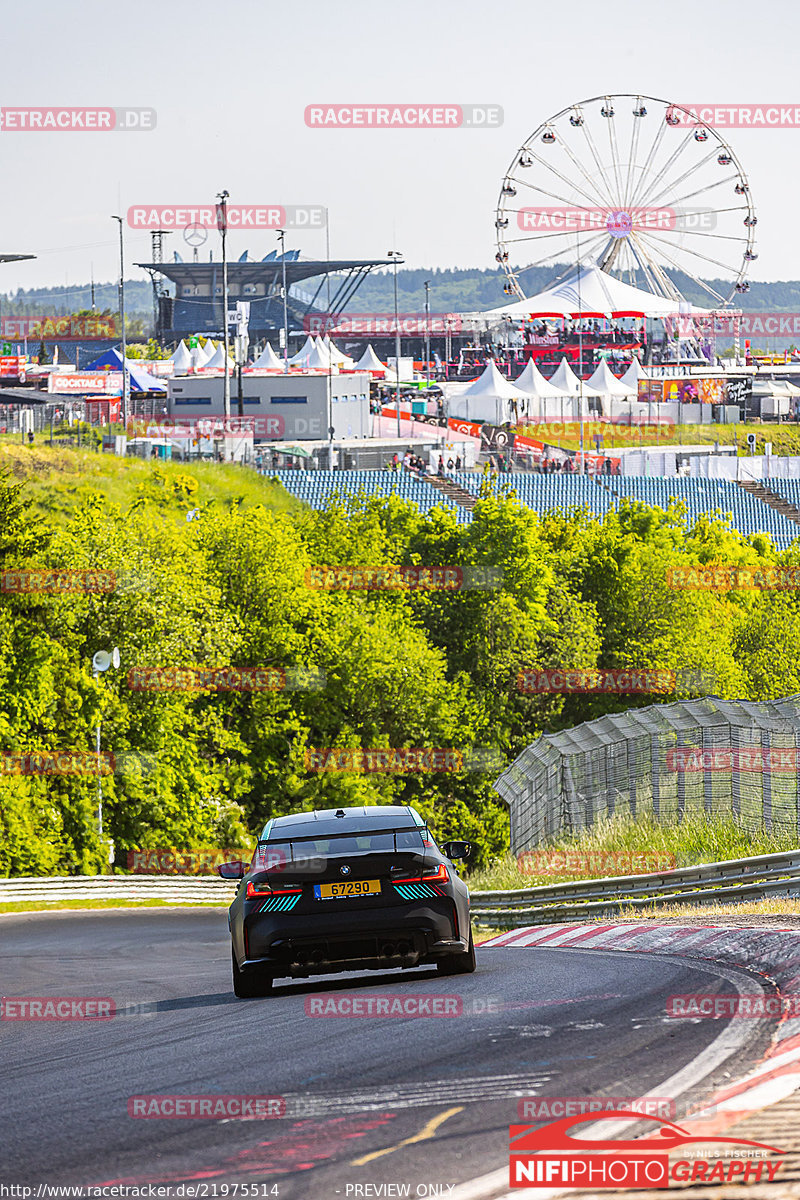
(324, 822)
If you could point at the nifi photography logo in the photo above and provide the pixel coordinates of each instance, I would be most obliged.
(551, 1155)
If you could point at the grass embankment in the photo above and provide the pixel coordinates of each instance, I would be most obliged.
(58, 479)
(696, 840)
(785, 438)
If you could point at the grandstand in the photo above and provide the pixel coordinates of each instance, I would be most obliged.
(562, 493)
(315, 488)
(749, 514)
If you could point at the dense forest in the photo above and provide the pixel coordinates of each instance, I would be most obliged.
(203, 764)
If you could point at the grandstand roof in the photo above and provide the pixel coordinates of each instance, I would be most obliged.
(195, 274)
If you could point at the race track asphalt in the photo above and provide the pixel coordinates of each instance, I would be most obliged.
(419, 1102)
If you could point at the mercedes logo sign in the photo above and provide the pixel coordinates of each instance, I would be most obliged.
(344, 870)
(195, 235)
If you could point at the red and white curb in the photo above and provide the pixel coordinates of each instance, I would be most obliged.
(771, 953)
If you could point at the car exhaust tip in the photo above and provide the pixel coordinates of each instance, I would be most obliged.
(389, 950)
(403, 949)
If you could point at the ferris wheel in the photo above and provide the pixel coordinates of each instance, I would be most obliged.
(640, 187)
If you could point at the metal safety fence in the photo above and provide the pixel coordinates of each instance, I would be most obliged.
(704, 757)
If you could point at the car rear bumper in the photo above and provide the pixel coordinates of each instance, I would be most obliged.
(374, 938)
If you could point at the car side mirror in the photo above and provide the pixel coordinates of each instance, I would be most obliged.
(457, 850)
(232, 870)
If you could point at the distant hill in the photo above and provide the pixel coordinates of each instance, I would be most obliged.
(469, 289)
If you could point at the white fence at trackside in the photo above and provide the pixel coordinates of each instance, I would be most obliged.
(760, 466)
(740, 879)
(176, 889)
(736, 880)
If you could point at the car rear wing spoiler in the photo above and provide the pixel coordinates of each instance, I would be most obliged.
(422, 830)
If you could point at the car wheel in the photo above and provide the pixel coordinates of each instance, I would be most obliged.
(459, 964)
(248, 984)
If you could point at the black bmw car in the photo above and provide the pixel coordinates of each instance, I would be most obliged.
(347, 889)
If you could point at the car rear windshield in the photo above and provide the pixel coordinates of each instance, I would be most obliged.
(368, 842)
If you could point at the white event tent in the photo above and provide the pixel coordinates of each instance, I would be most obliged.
(634, 373)
(181, 358)
(591, 292)
(369, 361)
(337, 358)
(567, 381)
(300, 359)
(268, 359)
(217, 360)
(319, 359)
(487, 398)
(607, 384)
(533, 383)
(201, 354)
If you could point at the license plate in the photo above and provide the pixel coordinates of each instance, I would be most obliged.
(345, 891)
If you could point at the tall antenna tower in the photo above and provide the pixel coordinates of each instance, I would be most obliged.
(157, 240)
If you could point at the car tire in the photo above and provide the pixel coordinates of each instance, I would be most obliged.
(249, 984)
(459, 964)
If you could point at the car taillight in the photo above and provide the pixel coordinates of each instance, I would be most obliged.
(254, 890)
(440, 876)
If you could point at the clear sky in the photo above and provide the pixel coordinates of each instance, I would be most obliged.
(230, 83)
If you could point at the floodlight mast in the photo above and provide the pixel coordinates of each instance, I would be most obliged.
(222, 225)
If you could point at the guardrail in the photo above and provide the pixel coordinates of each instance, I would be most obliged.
(177, 889)
(710, 883)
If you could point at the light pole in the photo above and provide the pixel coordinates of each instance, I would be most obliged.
(282, 237)
(222, 226)
(580, 357)
(125, 379)
(396, 258)
(100, 663)
(428, 331)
